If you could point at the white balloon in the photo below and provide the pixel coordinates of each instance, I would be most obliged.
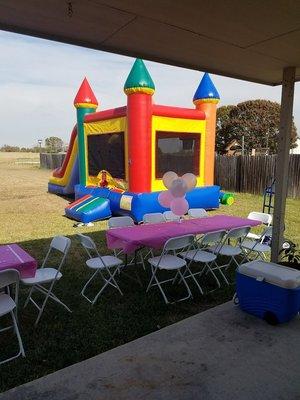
(178, 188)
(190, 180)
(168, 178)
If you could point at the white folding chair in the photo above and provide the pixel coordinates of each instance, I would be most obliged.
(48, 275)
(231, 251)
(153, 218)
(257, 247)
(101, 265)
(264, 218)
(123, 222)
(9, 280)
(171, 262)
(170, 216)
(118, 222)
(197, 213)
(201, 261)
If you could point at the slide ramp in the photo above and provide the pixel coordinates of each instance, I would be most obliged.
(89, 208)
(64, 179)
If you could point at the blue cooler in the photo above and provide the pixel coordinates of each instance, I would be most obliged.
(268, 291)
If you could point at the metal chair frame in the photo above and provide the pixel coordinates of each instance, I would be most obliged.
(256, 243)
(91, 249)
(8, 279)
(201, 244)
(239, 235)
(61, 244)
(173, 246)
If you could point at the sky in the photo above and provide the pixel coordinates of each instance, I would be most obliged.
(40, 78)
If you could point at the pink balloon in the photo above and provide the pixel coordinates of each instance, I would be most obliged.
(168, 178)
(178, 188)
(165, 198)
(190, 180)
(179, 206)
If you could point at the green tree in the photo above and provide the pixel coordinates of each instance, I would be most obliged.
(54, 144)
(255, 120)
(9, 149)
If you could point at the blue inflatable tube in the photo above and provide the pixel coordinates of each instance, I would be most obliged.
(138, 204)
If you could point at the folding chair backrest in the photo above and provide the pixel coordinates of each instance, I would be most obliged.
(118, 222)
(197, 213)
(238, 233)
(262, 217)
(9, 277)
(153, 218)
(170, 216)
(61, 243)
(178, 243)
(212, 238)
(87, 242)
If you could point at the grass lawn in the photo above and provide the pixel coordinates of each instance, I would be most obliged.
(31, 217)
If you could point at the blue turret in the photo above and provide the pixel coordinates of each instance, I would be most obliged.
(206, 91)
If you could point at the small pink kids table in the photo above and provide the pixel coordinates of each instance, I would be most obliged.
(154, 236)
(13, 256)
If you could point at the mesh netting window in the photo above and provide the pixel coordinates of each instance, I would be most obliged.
(178, 152)
(106, 151)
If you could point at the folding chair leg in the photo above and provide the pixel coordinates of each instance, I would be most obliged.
(114, 284)
(29, 296)
(159, 284)
(219, 269)
(112, 277)
(49, 294)
(161, 289)
(152, 277)
(16, 330)
(191, 275)
(187, 287)
(214, 275)
(110, 281)
(22, 352)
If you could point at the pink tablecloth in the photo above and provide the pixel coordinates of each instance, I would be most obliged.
(131, 238)
(13, 256)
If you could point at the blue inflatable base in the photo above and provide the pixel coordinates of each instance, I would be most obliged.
(134, 204)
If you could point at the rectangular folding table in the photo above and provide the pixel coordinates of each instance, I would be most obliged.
(12, 256)
(154, 236)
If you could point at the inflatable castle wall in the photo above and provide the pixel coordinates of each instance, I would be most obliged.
(117, 158)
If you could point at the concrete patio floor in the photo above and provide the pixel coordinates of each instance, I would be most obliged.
(219, 354)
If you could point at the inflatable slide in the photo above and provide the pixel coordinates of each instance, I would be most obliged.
(64, 179)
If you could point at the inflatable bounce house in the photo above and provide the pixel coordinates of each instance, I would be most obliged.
(116, 158)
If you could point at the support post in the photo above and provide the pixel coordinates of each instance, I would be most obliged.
(282, 164)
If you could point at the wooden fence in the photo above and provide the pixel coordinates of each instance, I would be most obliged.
(51, 160)
(251, 174)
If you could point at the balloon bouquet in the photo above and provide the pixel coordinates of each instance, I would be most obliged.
(174, 197)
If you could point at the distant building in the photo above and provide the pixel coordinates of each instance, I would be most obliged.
(296, 150)
(233, 148)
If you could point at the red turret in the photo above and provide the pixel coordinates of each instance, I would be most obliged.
(85, 96)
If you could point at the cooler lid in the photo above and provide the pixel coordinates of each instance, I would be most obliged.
(276, 274)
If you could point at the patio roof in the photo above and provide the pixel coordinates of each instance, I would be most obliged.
(252, 40)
